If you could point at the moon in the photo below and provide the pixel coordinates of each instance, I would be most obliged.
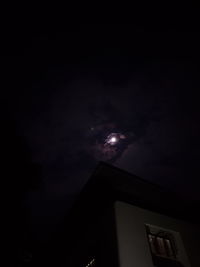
(113, 138)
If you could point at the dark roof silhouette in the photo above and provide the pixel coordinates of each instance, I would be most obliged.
(109, 183)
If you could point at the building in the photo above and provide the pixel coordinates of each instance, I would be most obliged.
(121, 220)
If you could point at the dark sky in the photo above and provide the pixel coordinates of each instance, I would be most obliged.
(67, 90)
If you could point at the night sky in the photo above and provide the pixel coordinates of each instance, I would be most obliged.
(66, 91)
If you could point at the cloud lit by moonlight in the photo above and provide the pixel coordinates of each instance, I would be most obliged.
(107, 146)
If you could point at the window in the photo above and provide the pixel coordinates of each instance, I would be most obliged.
(163, 247)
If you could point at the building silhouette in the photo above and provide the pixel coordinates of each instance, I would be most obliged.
(122, 220)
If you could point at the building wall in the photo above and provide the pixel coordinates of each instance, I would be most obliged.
(133, 247)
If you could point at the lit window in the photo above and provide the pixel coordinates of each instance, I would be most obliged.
(163, 247)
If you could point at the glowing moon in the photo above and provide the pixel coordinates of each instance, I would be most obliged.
(112, 139)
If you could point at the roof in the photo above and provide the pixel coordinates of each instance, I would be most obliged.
(109, 183)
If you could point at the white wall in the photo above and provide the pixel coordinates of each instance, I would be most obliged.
(132, 240)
